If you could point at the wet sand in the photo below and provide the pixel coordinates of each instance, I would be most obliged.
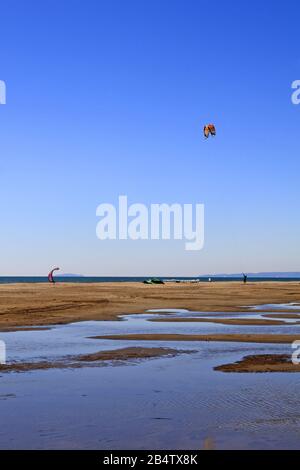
(130, 353)
(225, 321)
(261, 364)
(125, 354)
(235, 338)
(45, 304)
(12, 329)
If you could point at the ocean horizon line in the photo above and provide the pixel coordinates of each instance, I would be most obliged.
(254, 277)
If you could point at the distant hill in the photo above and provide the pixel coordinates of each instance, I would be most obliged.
(262, 274)
(70, 275)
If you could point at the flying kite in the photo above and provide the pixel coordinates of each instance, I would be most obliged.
(209, 129)
(50, 275)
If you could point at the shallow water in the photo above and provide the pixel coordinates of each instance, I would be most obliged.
(270, 307)
(159, 403)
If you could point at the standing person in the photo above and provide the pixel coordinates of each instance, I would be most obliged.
(245, 278)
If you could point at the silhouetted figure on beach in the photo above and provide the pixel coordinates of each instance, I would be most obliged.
(245, 277)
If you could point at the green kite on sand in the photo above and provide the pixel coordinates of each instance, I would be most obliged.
(154, 281)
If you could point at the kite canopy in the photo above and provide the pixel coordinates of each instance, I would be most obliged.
(154, 281)
(50, 275)
(209, 129)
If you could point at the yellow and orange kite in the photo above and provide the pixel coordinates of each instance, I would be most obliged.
(209, 129)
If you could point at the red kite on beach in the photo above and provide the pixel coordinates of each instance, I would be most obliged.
(209, 129)
(50, 275)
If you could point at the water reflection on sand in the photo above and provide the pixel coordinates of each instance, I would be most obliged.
(178, 402)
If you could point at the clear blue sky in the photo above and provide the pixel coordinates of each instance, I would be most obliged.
(110, 97)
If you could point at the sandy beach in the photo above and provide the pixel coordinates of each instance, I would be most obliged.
(42, 304)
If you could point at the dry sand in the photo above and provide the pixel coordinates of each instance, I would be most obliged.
(45, 304)
(237, 338)
(262, 363)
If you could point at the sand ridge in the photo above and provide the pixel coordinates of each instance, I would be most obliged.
(75, 362)
(262, 363)
(226, 321)
(237, 338)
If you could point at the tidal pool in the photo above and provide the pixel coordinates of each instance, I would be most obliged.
(164, 403)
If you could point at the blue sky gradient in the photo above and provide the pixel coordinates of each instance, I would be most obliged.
(110, 97)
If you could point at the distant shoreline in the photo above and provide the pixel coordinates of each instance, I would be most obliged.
(133, 279)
